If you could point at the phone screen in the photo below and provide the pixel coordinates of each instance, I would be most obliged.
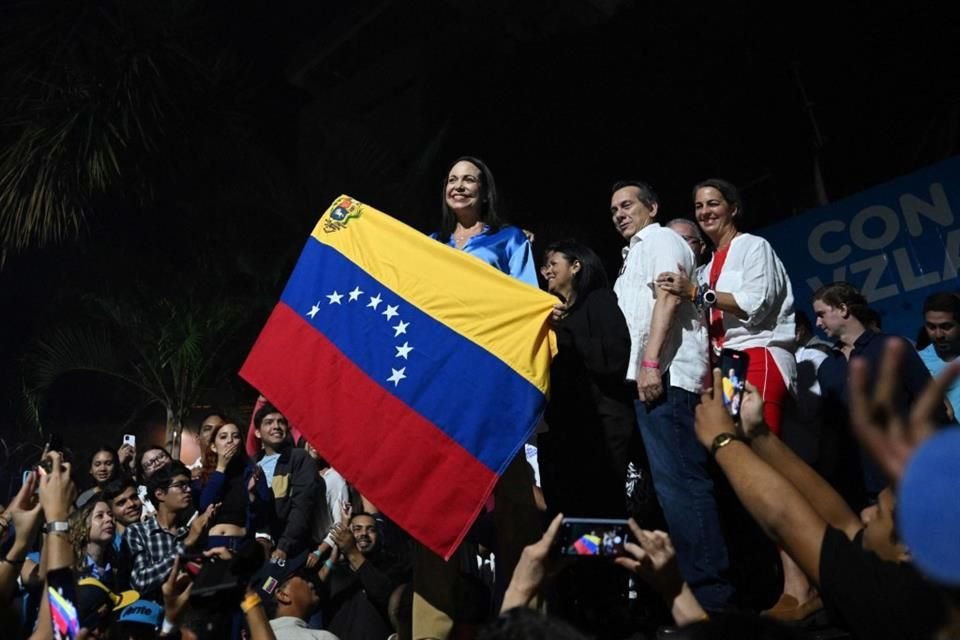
(61, 594)
(733, 366)
(593, 537)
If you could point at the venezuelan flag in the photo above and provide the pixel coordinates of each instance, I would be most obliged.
(417, 370)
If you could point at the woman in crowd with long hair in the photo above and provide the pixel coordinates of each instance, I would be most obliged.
(231, 479)
(92, 532)
(590, 413)
(470, 221)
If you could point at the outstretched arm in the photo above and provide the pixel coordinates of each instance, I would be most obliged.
(777, 506)
(829, 505)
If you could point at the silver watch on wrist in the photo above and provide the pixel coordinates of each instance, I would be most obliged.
(56, 526)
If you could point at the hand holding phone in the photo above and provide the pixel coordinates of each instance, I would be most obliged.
(733, 367)
(593, 537)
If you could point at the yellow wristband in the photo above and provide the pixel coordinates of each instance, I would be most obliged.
(251, 601)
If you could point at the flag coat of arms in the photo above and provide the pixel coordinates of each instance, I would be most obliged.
(416, 370)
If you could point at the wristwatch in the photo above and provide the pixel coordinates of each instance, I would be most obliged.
(705, 297)
(709, 298)
(56, 526)
(722, 440)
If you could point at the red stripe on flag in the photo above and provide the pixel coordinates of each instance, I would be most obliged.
(423, 480)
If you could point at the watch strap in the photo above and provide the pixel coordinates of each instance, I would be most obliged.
(722, 440)
(56, 526)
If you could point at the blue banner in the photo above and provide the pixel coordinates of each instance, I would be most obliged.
(897, 242)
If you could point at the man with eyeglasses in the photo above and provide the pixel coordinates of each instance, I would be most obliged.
(691, 234)
(155, 542)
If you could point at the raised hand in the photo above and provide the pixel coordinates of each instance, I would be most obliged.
(176, 591)
(531, 569)
(885, 434)
(751, 413)
(712, 417)
(654, 560)
(57, 490)
(225, 454)
(24, 511)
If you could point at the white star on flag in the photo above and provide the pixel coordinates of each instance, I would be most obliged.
(400, 328)
(403, 351)
(397, 376)
(355, 294)
(374, 301)
(313, 310)
(391, 311)
(335, 297)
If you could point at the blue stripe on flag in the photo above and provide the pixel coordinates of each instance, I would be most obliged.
(471, 395)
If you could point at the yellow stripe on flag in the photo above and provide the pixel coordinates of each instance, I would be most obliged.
(471, 297)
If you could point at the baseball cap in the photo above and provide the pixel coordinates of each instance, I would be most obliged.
(928, 513)
(274, 573)
(95, 601)
(143, 612)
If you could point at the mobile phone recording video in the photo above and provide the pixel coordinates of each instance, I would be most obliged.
(593, 537)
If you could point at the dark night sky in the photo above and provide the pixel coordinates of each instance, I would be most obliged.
(561, 98)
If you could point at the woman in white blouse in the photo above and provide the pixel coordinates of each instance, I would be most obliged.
(747, 302)
(746, 297)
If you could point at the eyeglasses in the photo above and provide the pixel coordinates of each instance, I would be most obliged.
(183, 486)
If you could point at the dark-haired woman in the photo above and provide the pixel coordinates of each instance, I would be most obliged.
(583, 457)
(104, 467)
(237, 484)
(470, 221)
(748, 305)
(746, 296)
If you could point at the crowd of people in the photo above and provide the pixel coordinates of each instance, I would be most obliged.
(840, 452)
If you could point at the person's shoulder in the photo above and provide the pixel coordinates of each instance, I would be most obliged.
(603, 296)
(510, 232)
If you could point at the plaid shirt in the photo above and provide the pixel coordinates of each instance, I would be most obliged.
(153, 550)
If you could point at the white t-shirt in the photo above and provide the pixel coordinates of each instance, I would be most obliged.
(652, 251)
(290, 628)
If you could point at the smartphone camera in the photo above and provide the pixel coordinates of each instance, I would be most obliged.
(588, 537)
(733, 366)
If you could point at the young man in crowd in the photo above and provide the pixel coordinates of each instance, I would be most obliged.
(125, 504)
(360, 584)
(842, 314)
(941, 324)
(858, 563)
(289, 596)
(155, 543)
(668, 360)
(291, 475)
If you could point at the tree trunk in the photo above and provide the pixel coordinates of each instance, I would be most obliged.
(174, 434)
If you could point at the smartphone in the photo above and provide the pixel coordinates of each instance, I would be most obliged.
(130, 439)
(733, 366)
(62, 596)
(54, 443)
(593, 537)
